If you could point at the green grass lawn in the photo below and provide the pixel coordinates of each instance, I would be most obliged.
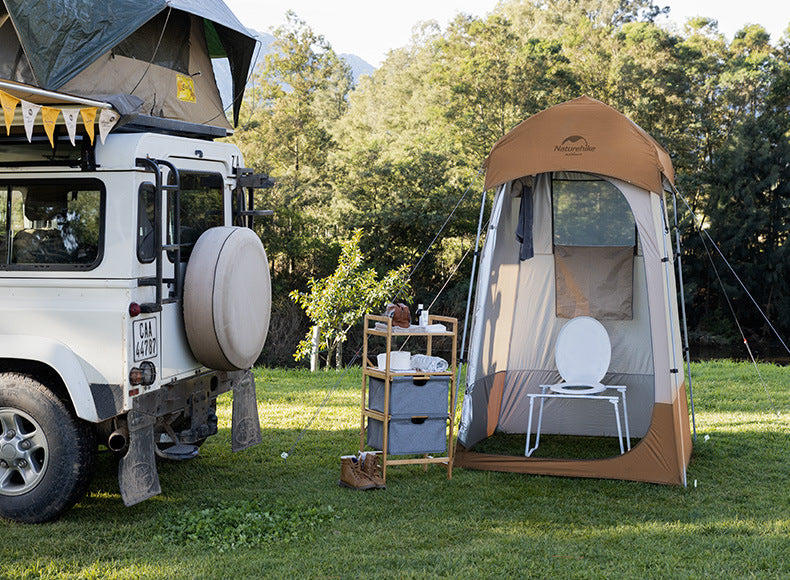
(256, 515)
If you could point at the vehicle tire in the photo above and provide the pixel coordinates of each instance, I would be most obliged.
(47, 454)
(227, 298)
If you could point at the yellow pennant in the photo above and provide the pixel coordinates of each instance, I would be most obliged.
(49, 117)
(88, 119)
(9, 107)
(185, 89)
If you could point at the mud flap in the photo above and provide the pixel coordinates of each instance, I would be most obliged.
(137, 475)
(246, 428)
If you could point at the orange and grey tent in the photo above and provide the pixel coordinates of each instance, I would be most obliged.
(578, 228)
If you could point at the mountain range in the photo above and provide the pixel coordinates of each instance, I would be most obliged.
(359, 66)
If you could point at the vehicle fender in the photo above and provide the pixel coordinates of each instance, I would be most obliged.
(62, 360)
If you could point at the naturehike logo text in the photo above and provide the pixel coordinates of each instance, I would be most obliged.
(574, 145)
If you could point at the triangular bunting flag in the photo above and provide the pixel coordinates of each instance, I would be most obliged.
(88, 119)
(107, 120)
(70, 117)
(29, 113)
(9, 108)
(49, 117)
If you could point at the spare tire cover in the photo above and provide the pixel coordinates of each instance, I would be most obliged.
(227, 298)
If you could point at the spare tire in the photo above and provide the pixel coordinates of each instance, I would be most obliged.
(227, 298)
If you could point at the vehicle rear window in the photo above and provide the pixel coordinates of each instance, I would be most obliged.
(201, 208)
(146, 252)
(54, 224)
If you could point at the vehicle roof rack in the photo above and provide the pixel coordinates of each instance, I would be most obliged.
(149, 124)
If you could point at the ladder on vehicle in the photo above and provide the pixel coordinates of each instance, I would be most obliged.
(243, 215)
(161, 188)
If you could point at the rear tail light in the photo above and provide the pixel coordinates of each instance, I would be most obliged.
(144, 375)
(134, 309)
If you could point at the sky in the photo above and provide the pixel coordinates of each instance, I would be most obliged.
(371, 28)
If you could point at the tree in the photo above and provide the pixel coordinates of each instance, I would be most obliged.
(491, 80)
(393, 155)
(554, 18)
(339, 301)
(298, 93)
(748, 208)
(398, 169)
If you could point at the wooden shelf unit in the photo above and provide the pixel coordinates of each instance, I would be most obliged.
(371, 370)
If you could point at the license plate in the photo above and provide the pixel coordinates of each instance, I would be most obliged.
(146, 344)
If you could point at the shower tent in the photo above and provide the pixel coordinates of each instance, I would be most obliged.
(578, 228)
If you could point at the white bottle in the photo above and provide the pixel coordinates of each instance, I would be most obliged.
(424, 317)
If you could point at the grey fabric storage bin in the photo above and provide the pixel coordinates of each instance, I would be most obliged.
(410, 435)
(411, 396)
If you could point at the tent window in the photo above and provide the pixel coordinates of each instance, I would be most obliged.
(594, 245)
(167, 49)
(591, 212)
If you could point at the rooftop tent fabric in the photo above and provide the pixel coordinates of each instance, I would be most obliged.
(177, 82)
(236, 42)
(14, 65)
(60, 38)
(524, 228)
(579, 135)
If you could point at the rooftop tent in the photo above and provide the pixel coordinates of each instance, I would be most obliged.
(578, 227)
(159, 50)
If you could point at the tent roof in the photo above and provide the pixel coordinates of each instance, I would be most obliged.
(61, 38)
(580, 135)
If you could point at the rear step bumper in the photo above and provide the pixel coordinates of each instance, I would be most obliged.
(137, 474)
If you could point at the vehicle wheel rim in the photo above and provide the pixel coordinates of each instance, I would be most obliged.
(24, 452)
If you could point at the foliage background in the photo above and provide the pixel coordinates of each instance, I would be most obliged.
(393, 154)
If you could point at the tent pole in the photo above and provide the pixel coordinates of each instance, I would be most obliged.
(670, 290)
(469, 295)
(62, 97)
(683, 311)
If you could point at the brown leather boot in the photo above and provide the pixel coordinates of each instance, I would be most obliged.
(372, 469)
(351, 475)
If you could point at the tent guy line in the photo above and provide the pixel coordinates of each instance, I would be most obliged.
(286, 454)
(703, 236)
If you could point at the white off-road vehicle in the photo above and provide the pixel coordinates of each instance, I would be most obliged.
(132, 293)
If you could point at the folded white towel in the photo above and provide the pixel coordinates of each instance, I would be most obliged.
(429, 364)
(414, 329)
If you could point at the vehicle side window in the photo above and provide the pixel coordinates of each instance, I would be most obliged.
(145, 223)
(54, 223)
(201, 208)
